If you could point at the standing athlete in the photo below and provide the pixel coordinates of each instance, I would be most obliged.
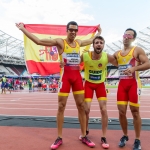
(131, 59)
(4, 85)
(95, 66)
(68, 49)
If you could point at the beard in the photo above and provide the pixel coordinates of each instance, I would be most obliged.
(98, 51)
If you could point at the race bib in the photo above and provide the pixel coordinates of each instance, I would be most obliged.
(73, 59)
(95, 75)
(121, 69)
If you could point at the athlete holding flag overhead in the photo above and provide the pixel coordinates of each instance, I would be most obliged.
(69, 51)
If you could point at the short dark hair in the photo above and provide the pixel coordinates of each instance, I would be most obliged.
(130, 29)
(71, 23)
(98, 37)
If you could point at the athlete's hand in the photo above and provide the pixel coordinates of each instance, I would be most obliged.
(129, 71)
(20, 25)
(99, 29)
(62, 64)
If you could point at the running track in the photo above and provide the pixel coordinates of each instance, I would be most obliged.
(44, 104)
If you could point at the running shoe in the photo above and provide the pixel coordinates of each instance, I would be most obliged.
(57, 143)
(123, 141)
(80, 137)
(137, 145)
(104, 143)
(87, 141)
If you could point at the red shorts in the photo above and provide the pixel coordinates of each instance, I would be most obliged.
(129, 91)
(70, 79)
(99, 89)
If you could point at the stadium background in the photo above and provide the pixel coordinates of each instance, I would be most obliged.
(12, 62)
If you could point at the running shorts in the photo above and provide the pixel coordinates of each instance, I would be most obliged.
(70, 79)
(99, 89)
(129, 90)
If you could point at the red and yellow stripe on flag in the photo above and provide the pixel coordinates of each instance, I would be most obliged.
(44, 60)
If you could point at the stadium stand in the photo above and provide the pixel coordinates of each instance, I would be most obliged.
(12, 54)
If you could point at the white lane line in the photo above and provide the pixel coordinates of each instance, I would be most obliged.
(65, 109)
(15, 99)
(49, 104)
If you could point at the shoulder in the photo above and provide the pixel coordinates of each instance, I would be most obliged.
(78, 41)
(138, 49)
(116, 53)
(59, 40)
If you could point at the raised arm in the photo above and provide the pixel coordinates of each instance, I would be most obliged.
(89, 41)
(45, 42)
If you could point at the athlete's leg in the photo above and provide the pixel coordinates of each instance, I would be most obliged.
(123, 119)
(103, 109)
(102, 100)
(79, 98)
(62, 100)
(122, 101)
(2, 90)
(134, 96)
(64, 90)
(136, 121)
(87, 112)
(88, 95)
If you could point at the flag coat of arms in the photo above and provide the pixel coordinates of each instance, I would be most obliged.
(44, 60)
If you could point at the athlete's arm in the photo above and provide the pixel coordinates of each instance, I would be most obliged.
(112, 60)
(81, 57)
(89, 41)
(45, 42)
(144, 61)
(142, 58)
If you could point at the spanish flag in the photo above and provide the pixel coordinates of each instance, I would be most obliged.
(44, 60)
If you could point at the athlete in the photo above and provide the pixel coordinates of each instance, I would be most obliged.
(69, 51)
(30, 83)
(4, 85)
(95, 64)
(131, 59)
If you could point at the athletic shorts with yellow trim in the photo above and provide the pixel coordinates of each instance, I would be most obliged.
(129, 91)
(99, 89)
(70, 79)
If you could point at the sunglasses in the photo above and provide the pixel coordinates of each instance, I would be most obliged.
(71, 30)
(128, 36)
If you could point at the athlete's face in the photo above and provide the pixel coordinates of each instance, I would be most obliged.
(71, 32)
(128, 37)
(98, 46)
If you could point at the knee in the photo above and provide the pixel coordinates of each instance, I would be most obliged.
(122, 113)
(103, 110)
(135, 114)
(80, 105)
(61, 107)
(87, 111)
